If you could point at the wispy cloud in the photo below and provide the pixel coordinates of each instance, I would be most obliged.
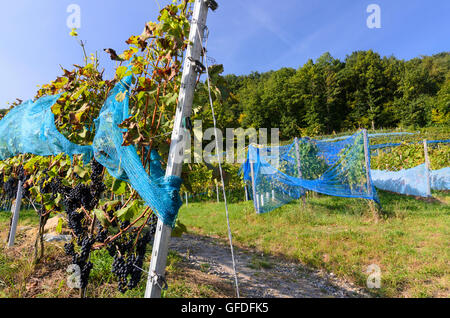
(261, 15)
(334, 35)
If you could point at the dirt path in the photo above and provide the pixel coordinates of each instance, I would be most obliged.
(260, 276)
(209, 259)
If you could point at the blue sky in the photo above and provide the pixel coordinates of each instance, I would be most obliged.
(245, 35)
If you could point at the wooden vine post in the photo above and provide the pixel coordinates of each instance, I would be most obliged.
(299, 167)
(217, 191)
(15, 216)
(367, 162)
(156, 274)
(375, 210)
(255, 196)
(427, 168)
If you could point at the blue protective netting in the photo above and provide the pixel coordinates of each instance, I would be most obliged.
(372, 136)
(160, 193)
(440, 179)
(415, 181)
(408, 181)
(392, 144)
(30, 128)
(331, 168)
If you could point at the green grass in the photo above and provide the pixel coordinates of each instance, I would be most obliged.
(258, 263)
(16, 272)
(101, 275)
(409, 244)
(13, 271)
(27, 217)
(13, 274)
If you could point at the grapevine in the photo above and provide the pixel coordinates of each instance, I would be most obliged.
(85, 193)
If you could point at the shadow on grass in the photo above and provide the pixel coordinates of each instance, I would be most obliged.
(338, 205)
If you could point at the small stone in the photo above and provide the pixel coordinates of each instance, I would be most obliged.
(57, 238)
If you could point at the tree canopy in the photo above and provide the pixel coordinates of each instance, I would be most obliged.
(329, 95)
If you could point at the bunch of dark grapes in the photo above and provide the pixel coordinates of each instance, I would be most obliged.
(82, 258)
(75, 222)
(129, 259)
(152, 223)
(102, 234)
(87, 197)
(72, 201)
(43, 182)
(51, 186)
(141, 248)
(97, 170)
(2, 194)
(69, 249)
(56, 186)
(10, 188)
(128, 250)
(11, 185)
(120, 268)
(22, 174)
(2, 177)
(97, 185)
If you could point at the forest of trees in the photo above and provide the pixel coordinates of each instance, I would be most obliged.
(328, 95)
